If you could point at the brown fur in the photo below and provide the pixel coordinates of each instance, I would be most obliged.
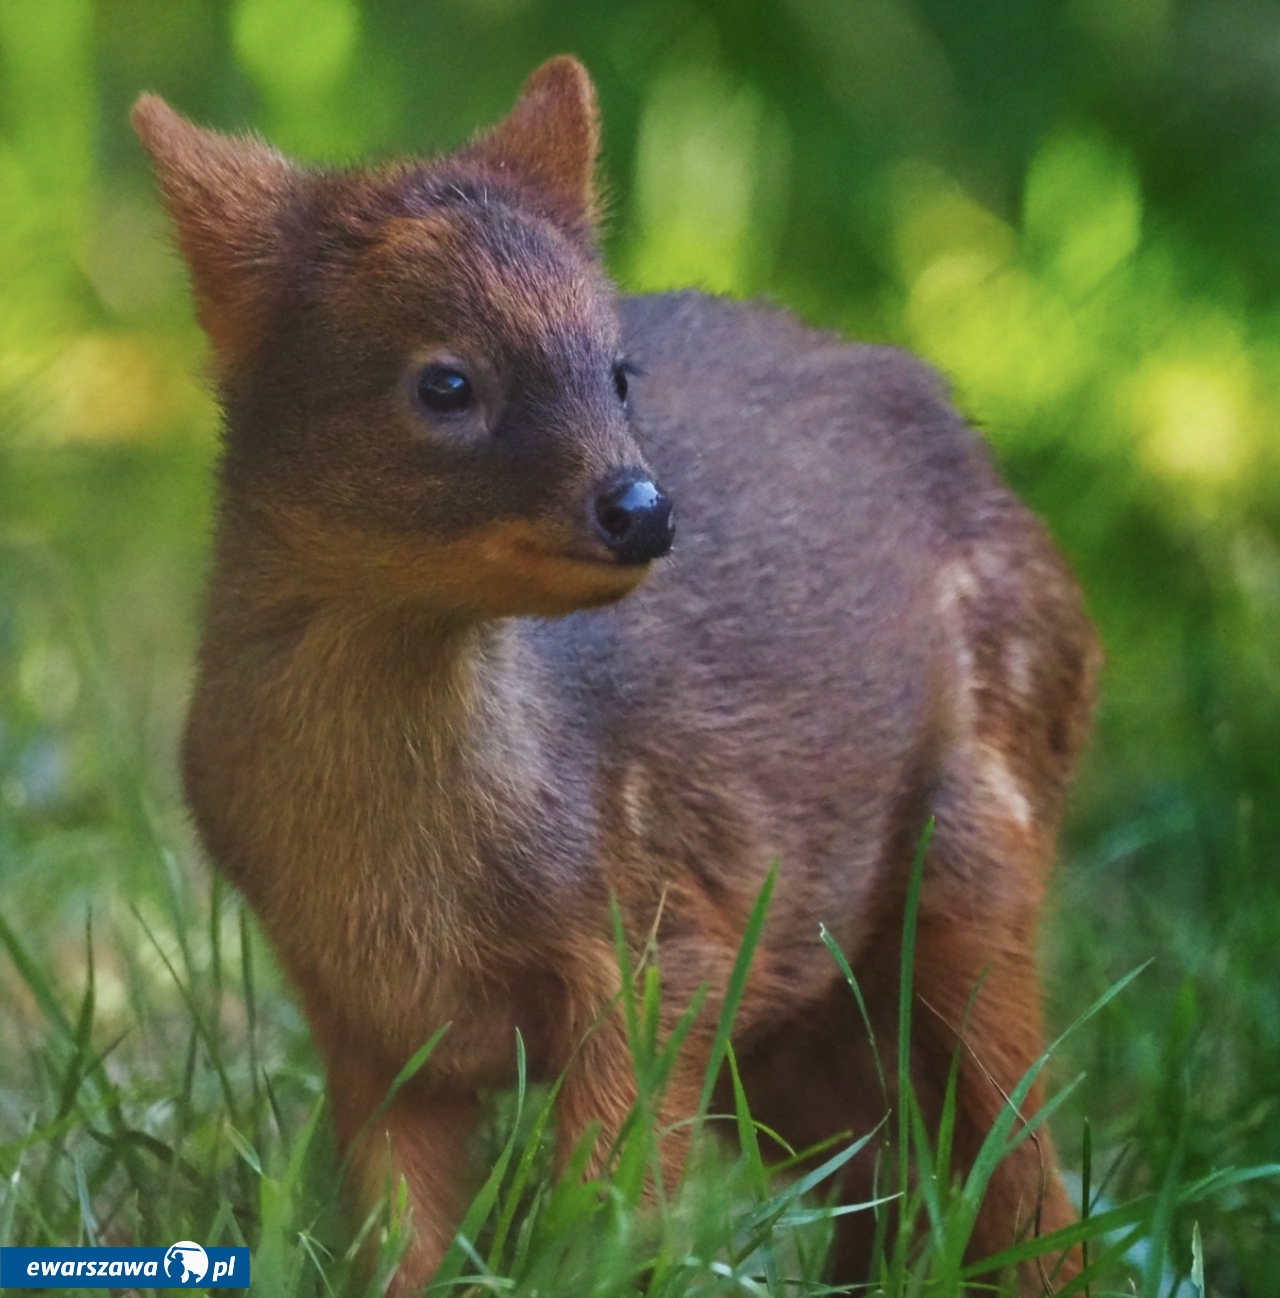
(429, 793)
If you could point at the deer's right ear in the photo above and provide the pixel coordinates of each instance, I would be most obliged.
(549, 141)
(228, 198)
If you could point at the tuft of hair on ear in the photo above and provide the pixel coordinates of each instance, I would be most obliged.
(547, 145)
(230, 199)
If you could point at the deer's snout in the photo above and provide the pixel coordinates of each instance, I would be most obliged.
(633, 517)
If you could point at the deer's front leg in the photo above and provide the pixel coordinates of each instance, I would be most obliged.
(600, 1087)
(424, 1136)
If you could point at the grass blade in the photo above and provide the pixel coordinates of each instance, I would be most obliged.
(906, 979)
(462, 1249)
(736, 986)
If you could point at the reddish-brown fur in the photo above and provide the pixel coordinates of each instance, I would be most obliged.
(429, 744)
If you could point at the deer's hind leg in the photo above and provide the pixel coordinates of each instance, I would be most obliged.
(977, 999)
(815, 1078)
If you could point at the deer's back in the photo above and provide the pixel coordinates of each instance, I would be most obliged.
(859, 626)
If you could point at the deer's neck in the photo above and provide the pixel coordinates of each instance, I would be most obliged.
(341, 750)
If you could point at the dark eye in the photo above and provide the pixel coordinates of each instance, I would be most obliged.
(444, 391)
(620, 381)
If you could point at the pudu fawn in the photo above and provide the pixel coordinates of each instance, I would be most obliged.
(457, 690)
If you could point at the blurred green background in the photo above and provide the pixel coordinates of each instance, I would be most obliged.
(1071, 208)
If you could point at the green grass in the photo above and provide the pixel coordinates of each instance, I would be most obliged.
(186, 1102)
(224, 1140)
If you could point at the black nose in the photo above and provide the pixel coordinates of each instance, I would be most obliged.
(634, 519)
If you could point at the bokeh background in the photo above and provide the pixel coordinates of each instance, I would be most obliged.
(1071, 207)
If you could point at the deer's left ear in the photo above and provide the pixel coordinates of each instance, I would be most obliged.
(233, 201)
(548, 143)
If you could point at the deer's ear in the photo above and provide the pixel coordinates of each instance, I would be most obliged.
(548, 143)
(229, 199)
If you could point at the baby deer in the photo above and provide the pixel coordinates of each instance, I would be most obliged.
(457, 691)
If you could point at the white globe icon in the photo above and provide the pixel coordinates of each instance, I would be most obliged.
(187, 1257)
